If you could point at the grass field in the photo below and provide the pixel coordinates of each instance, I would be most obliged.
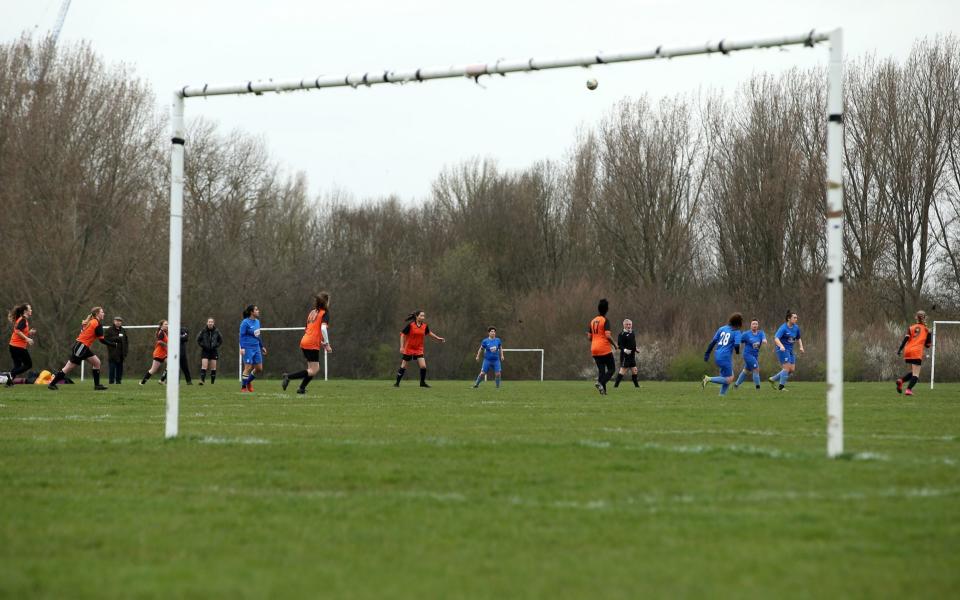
(536, 490)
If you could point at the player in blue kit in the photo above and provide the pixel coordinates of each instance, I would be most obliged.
(786, 337)
(727, 341)
(752, 341)
(251, 347)
(492, 349)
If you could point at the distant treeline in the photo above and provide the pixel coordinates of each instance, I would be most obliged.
(679, 211)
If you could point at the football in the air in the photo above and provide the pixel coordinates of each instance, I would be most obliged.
(592, 84)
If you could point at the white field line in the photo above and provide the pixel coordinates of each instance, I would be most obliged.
(238, 440)
(651, 501)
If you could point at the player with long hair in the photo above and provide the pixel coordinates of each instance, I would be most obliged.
(20, 340)
(315, 337)
(727, 342)
(602, 346)
(492, 349)
(160, 349)
(914, 343)
(411, 345)
(251, 347)
(785, 338)
(91, 329)
(752, 340)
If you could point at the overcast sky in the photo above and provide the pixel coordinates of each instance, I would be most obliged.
(395, 139)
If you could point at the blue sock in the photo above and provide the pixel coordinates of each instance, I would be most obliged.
(783, 377)
(479, 380)
(740, 378)
(724, 388)
(248, 379)
(777, 376)
(718, 379)
(756, 379)
(498, 381)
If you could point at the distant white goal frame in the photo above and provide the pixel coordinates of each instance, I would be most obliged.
(240, 355)
(540, 350)
(833, 177)
(154, 326)
(933, 345)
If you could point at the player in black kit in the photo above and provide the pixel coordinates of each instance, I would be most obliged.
(628, 353)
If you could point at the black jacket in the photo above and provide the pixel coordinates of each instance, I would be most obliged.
(121, 344)
(627, 341)
(209, 339)
(184, 336)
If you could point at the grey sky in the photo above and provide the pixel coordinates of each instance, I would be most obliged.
(395, 139)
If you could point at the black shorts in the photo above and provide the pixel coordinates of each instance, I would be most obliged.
(209, 354)
(311, 355)
(409, 357)
(628, 361)
(913, 361)
(606, 360)
(80, 353)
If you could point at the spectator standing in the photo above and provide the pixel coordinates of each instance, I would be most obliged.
(117, 353)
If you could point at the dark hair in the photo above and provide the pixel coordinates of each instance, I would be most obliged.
(603, 306)
(491, 328)
(755, 319)
(321, 300)
(736, 320)
(790, 313)
(17, 311)
(248, 310)
(413, 316)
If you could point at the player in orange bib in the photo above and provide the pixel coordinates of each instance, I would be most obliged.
(602, 346)
(159, 351)
(20, 340)
(90, 331)
(315, 337)
(913, 346)
(411, 345)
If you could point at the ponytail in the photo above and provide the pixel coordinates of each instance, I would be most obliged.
(413, 316)
(248, 310)
(93, 313)
(16, 312)
(321, 300)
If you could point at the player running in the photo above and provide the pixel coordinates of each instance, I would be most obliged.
(492, 349)
(90, 330)
(315, 337)
(20, 340)
(628, 353)
(602, 346)
(411, 345)
(912, 347)
(727, 341)
(752, 341)
(159, 351)
(251, 347)
(786, 337)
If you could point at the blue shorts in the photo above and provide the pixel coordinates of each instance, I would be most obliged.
(786, 356)
(751, 362)
(726, 368)
(491, 363)
(252, 356)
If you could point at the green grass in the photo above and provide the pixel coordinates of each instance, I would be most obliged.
(536, 490)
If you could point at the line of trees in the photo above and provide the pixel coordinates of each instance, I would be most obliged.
(678, 210)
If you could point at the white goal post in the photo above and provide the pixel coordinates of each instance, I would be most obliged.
(833, 177)
(240, 356)
(82, 364)
(933, 345)
(540, 350)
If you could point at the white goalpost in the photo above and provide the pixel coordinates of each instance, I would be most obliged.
(82, 364)
(833, 177)
(240, 356)
(540, 350)
(933, 345)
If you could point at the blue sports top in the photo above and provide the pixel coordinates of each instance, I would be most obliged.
(752, 341)
(491, 348)
(788, 334)
(725, 339)
(249, 330)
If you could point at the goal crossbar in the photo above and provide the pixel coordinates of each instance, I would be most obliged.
(933, 344)
(540, 350)
(833, 183)
(240, 359)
